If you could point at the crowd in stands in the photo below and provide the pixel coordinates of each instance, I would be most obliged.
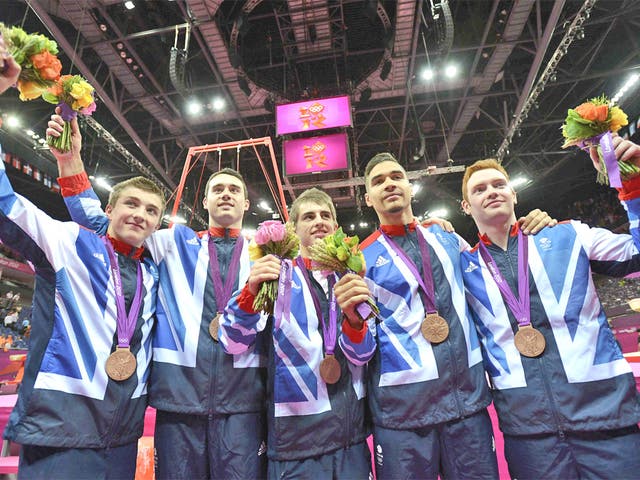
(600, 210)
(15, 327)
(614, 292)
(10, 253)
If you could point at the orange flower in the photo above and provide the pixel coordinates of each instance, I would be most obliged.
(47, 65)
(29, 90)
(592, 112)
(57, 88)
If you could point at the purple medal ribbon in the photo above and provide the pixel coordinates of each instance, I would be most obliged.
(519, 307)
(282, 307)
(608, 156)
(330, 328)
(426, 280)
(125, 323)
(223, 293)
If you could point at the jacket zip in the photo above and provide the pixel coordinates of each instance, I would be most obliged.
(540, 363)
(449, 347)
(213, 366)
(125, 399)
(549, 393)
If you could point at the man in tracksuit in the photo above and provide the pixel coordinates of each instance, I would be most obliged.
(566, 398)
(316, 427)
(210, 406)
(428, 396)
(81, 404)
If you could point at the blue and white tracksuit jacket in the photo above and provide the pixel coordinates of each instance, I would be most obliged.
(415, 384)
(306, 417)
(581, 382)
(191, 372)
(66, 398)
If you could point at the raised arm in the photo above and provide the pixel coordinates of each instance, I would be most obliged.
(629, 194)
(611, 254)
(17, 211)
(69, 163)
(36, 232)
(82, 202)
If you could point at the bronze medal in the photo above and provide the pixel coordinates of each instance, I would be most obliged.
(529, 341)
(121, 364)
(214, 326)
(330, 369)
(434, 328)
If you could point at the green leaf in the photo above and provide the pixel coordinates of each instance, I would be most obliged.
(50, 98)
(354, 263)
(579, 130)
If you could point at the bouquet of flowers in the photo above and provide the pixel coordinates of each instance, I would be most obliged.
(37, 56)
(73, 95)
(275, 238)
(591, 124)
(341, 254)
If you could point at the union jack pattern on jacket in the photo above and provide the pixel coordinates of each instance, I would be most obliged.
(412, 382)
(581, 382)
(66, 398)
(191, 373)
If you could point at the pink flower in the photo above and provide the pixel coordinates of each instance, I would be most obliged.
(89, 109)
(270, 231)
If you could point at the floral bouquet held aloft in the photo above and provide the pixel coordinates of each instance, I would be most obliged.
(275, 238)
(591, 124)
(340, 254)
(37, 56)
(73, 95)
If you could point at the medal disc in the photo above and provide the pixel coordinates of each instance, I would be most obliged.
(529, 341)
(214, 326)
(434, 328)
(330, 369)
(121, 364)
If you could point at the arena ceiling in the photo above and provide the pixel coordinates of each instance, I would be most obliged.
(521, 64)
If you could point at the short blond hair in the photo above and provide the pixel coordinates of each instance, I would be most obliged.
(141, 183)
(311, 195)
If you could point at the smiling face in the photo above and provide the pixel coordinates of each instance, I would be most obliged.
(314, 221)
(490, 200)
(226, 201)
(389, 193)
(134, 216)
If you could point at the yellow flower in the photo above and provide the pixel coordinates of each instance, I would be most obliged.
(83, 94)
(618, 119)
(30, 90)
(255, 252)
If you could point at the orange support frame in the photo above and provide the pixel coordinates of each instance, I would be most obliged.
(253, 142)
